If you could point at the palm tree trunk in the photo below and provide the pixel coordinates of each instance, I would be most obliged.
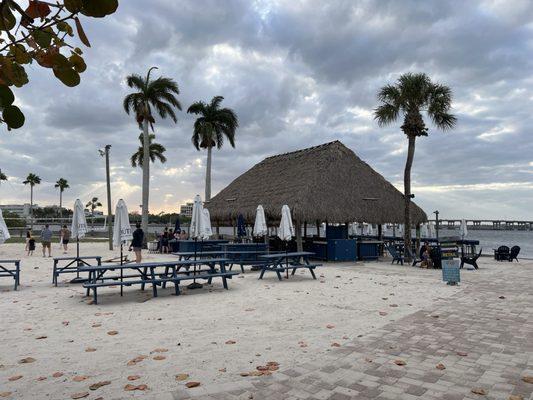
(146, 177)
(208, 175)
(407, 196)
(60, 203)
(31, 206)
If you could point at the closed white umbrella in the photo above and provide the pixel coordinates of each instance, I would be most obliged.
(286, 229)
(463, 229)
(206, 224)
(79, 224)
(122, 228)
(197, 231)
(431, 228)
(4, 232)
(370, 230)
(260, 226)
(424, 231)
(78, 229)
(197, 218)
(400, 230)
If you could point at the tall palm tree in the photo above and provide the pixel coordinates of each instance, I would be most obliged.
(156, 152)
(412, 95)
(3, 176)
(209, 130)
(32, 180)
(159, 94)
(93, 205)
(61, 184)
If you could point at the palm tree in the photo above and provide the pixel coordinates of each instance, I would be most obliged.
(209, 130)
(156, 152)
(409, 97)
(32, 180)
(3, 176)
(160, 95)
(93, 205)
(62, 184)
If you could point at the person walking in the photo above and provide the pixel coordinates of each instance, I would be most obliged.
(65, 238)
(31, 244)
(137, 242)
(28, 236)
(46, 240)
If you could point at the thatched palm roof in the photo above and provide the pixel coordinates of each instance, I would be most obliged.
(325, 183)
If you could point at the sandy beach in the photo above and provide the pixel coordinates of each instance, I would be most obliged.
(208, 335)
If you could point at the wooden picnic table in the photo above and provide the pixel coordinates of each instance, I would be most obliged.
(13, 272)
(279, 262)
(73, 266)
(154, 273)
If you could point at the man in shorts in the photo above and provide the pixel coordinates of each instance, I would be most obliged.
(46, 240)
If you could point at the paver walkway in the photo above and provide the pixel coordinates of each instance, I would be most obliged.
(483, 336)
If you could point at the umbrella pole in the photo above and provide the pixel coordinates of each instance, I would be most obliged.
(77, 255)
(121, 270)
(287, 258)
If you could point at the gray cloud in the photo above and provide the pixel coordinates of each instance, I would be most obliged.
(298, 74)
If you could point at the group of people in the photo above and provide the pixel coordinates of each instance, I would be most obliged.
(46, 240)
(167, 236)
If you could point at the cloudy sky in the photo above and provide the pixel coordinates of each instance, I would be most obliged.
(298, 73)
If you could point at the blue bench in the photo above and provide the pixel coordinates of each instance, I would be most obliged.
(73, 266)
(13, 272)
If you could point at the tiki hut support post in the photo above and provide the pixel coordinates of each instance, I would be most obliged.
(305, 229)
(417, 237)
(380, 237)
(299, 244)
(317, 228)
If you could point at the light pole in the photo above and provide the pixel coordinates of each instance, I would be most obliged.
(437, 224)
(105, 153)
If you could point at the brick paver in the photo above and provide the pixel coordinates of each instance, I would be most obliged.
(483, 336)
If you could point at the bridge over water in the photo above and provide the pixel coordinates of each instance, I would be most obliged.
(487, 224)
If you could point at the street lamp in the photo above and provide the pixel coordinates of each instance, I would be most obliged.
(437, 223)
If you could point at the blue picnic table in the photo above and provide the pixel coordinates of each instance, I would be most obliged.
(280, 262)
(73, 265)
(7, 271)
(155, 274)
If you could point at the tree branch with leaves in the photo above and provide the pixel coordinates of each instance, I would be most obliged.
(38, 34)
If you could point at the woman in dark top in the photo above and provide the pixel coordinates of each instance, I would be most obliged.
(137, 242)
(164, 242)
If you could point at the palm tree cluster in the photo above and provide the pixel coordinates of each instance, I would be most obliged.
(160, 96)
(412, 95)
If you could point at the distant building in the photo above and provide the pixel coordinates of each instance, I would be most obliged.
(22, 210)
(186, 210)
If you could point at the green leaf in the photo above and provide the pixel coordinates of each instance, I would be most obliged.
(13, 117)
(42, 38)
(6, 96)
(68, 76)
(78, 62)
(81, 33)
(7, 19)
(74, 6)
(99, 8)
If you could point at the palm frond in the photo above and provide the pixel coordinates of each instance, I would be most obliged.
(386, 114)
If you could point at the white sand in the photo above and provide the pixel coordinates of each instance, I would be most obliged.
(269, 320)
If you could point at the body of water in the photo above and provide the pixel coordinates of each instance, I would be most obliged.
(492, 239)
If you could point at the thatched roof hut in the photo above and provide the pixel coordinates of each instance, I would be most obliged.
(322, 183)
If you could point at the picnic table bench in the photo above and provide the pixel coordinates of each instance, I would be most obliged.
(280, 262)
(13, 272)
(155, 274)
(73, 266)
